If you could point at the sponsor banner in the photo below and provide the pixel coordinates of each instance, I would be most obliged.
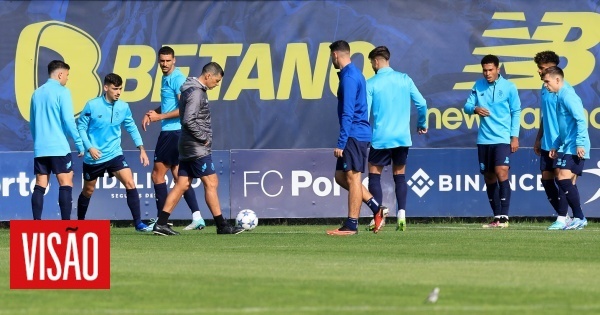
(109, 200)
(55, 254)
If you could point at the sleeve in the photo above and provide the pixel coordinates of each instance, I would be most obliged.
(83, 124)
(515, 112)
(369, 97)
(191, 119)
(469, 107)
(349, 92)
(68, 119)
(31, 118)
(575, 107)
(131, 127)
(420, 103)
(177, 83)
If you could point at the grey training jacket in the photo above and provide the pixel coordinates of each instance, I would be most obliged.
(196, 131)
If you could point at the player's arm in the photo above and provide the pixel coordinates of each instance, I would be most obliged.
(514, 103)
(133, 131)
(68, 120)
(82, 126)
(190, 120)
(537, 145)
(421, 105)
(369, 98)
(31, 118)
(349, 92)
(575, 107)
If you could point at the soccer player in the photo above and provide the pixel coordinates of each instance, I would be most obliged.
(547, 132)
(51, 120)
(195, 160)
(496, 101)
(353, 141)
(166, 155)
(389, 94)
(575, 141)
(99, 125)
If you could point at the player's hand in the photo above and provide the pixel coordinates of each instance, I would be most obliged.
(144, 158)
(514, 144)
(552, 154)
(146, 121)
(153, 115)
(80, 154)
(338, 153)
(537, 146)
(421, 131)
(483, 112)
(580, 152)
(95, 153)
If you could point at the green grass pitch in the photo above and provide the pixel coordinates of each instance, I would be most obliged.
(298, 269)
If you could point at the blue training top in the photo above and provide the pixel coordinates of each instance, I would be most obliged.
(572, 124)
(170, 88)
(352, 106)
(549, 120)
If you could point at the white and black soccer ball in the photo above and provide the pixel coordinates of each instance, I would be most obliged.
(246, 219)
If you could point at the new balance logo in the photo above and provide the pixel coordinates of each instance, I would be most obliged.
(420, 182)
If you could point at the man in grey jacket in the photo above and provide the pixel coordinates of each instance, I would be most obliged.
(195, 151)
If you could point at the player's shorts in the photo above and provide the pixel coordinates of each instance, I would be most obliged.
(383, 157)
(93, 171)
(167, 150)
(44, 165)
(198, 168)
(570, 162)
(492, 155)
(354, 157)
(546, 163)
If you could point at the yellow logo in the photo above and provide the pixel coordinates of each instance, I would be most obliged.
(550, 36)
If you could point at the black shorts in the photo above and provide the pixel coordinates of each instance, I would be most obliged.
(570, 162)
(354, 158)
(93, 171)
(167, 150)
(546, 163)
(44, 165)
(201, 167)
(383, 157)
(492, 155)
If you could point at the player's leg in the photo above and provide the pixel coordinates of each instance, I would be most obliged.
(83, 202)
(486, 167)
(63, 168)
(399, 157)
(159, 170)
(572, 165)
(182, 184)
(190, 198)
(42, 170)
(118, 167)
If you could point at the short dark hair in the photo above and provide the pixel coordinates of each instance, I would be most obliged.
(380, 51)
(547, 56)
(57, 64)
(166, 50)
(553, 71)
(214, 68)
(340, 45)
(114, 79)
(490, 59)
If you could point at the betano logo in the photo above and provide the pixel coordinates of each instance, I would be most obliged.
(553, 35)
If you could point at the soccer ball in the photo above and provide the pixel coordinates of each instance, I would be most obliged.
(246, 219)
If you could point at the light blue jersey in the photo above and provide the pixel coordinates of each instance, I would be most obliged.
(501, 99)
(170, 88)
(51, 120)
(549, 120)
(389, 94)
(572, 124)
(100, 127)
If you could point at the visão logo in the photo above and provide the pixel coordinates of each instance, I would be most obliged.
(420, 182)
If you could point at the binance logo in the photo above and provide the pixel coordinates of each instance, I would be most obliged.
(554, 32)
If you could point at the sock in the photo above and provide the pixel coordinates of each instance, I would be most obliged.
(160, 194)
(563, 204)
(572, 194)
(551, 192)
(65, 201)
(37, 201)
(219, 220)
(373, 205)
(190, 199)
(494, 198)
(133, 201)
(503, 219)
(196, 216)
(505, 193)
(375, 187)
(352, 224)
(401, 190)
(82, 206)
(163, 217)
(562, 219)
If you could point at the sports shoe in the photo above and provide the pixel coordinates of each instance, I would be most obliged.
(164, 230)
(401, 225)
(495, 224)
(141, 227)
(576, 224)
(344, 230)
(379, 219)
(196, 225)
(557, 225)
(371, 225)
(228, 229)
(153, 221)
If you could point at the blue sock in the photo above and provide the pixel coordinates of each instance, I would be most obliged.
(65, 201)
(504, 193)
(37, 201)
(494, 197)
(572, 194)
(375, 187)
(563, 204)
(373, 205)
(401, 190)
(133, 201)
(551, 192)
(352, 224)
(190, 199)
(160, 194)
(82, 206)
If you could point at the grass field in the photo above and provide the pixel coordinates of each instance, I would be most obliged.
(300, 270)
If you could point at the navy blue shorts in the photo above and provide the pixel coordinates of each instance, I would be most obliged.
(354, 158)
(201, 167)
(167, 150)
(570, 162)
(546, 163)
(93, 171)
(492, 155)
(383, 157)
(45, 165)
